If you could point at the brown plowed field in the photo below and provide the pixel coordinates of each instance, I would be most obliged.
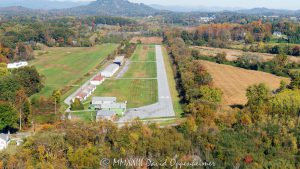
(234, 81)
(147, 40)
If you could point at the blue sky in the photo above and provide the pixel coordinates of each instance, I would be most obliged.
(278, 4)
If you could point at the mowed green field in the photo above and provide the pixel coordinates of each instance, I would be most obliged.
(143, 63)
(144, 53)
(137, 92)
(141, 70)
(66, 66)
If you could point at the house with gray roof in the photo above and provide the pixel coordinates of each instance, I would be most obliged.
(103, 100)
(106, 115)
(108, 103)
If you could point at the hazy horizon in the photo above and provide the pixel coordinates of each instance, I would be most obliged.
(192, 4)
(273, 4)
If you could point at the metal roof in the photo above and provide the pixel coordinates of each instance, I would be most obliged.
(114, 106)
(112, 99)
(105, 113)
(111, 68)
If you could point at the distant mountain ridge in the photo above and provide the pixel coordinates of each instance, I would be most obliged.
(176, 8)
(113, 7)
(120, 8)
(253, 11)
(41, 4)
(267, 11)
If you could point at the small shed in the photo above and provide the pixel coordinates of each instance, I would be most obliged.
(97, 80)
(119, 60)
(110, 70)
(106, 115)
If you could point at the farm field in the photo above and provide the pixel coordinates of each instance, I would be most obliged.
(234, 81)
(142, 63)
(64, 67)
(233, 54)
(147, 40)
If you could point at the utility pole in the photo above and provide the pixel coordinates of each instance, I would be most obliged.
(55, 105)
(20, 115)
(20, 120)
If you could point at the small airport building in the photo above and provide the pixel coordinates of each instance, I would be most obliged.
(108, 104)
(119, 60)
(16, 65)
(103, 100)
(110, 70)
(97, 80)
(85, 92)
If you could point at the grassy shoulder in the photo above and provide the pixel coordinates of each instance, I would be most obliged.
(172, 84)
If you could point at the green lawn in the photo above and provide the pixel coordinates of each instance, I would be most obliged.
(87, 116)
(172, 84)
(136, 92)
(144, 53)
(143, 63)
(141, 70)
(62, 67)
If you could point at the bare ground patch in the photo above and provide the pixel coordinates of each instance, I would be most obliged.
(234, 81)
(147, 40)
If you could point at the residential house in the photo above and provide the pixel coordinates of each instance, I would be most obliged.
(277, 34)
(16, 65)
(4, 141)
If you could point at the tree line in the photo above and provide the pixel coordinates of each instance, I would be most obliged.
(254, 35)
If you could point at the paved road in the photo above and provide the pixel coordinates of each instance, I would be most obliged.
(164, 107)
(124, 69)
(70, 97)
